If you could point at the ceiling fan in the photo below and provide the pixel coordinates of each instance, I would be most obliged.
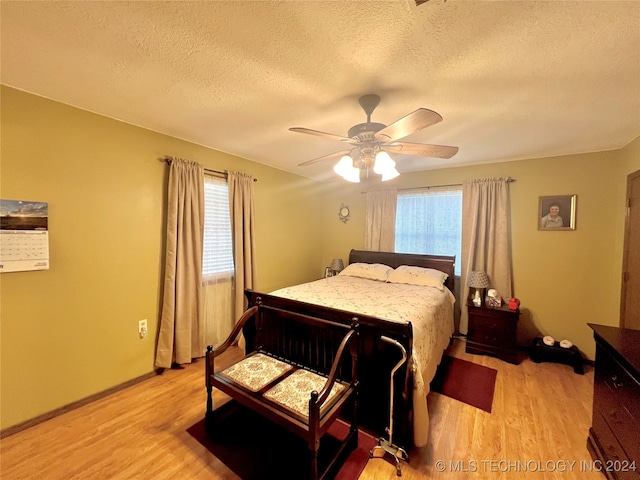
(370, 143)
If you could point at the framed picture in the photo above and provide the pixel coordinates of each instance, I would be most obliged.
(557, 212)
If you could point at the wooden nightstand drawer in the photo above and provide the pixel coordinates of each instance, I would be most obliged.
(496, 324)
(491, 336)
(503, 327)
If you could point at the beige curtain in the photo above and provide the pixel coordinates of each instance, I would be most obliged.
(380, 220)
(241, 206)
(181, 333)
(485, 237)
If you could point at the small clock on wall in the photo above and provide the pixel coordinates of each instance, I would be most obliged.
(344, 213)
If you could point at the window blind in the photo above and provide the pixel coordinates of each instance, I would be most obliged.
(217, 256)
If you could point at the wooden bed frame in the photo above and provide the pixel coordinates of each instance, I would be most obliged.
(376, 355)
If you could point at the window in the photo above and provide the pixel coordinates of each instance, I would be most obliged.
(217, 256)
(430, 221)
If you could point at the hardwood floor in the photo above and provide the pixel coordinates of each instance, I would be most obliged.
(540, 420)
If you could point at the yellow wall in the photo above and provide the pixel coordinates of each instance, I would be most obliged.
(71, 331)
(565, 279)
(630, 156)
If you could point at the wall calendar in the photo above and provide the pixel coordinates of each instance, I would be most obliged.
(24, 236)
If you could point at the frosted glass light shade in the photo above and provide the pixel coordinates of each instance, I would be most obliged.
(383, 162)
(385, 166)
(343, 166)
(389, 174)
(346, 170)
(352, 175)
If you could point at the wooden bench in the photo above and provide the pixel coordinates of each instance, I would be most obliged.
(302, 375)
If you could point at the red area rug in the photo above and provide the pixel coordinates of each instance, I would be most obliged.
(466, 382)
(256, 449)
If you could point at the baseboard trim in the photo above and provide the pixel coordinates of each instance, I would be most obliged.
(72, 406)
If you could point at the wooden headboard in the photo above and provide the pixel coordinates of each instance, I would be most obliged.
(444, 263)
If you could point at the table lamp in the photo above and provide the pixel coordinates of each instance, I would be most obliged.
(337, 265)
(478, 281)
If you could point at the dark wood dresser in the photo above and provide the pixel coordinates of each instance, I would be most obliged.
(492, 331)
(614, 436)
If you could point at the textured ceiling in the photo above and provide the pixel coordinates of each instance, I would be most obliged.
(512, 79)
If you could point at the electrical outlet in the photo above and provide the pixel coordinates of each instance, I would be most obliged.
(142, 328)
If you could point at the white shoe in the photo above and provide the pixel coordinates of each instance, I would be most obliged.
(549, 340)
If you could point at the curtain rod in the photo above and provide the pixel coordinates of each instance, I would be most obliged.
(168, 160)
(509, 180)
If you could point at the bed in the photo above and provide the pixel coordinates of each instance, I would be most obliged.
(419, 317)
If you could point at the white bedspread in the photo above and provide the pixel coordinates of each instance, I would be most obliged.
(429, 310)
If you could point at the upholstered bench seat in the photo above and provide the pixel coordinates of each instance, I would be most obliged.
(257, 371)
(301, 374)
(294, 391)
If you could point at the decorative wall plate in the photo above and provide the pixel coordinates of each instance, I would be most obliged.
(344, 213)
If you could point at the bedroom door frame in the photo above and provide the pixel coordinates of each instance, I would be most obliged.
(630, 302)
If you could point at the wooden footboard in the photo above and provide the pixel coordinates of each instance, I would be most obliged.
(376, 360)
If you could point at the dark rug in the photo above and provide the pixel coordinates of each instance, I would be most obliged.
(465, 381)
(256, 449)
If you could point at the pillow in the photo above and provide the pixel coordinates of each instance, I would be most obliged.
(371, 271)
(418, 276)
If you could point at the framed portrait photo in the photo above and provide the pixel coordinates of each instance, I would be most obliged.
(557, 212)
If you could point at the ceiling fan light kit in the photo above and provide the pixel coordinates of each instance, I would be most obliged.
(346, 170)
(385, 166)
(371, 143)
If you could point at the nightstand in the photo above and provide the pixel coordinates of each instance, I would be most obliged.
(492, 331)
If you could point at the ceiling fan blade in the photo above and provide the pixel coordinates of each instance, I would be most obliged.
(421, 150)
(331, 156)
(321, 134)
(415, 121)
